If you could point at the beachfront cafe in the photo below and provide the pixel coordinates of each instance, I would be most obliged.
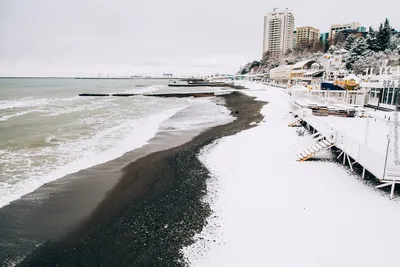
(308, 71)
(383, 88)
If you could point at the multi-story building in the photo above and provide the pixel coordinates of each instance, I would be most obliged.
(362, 29)
(335, 28)
(323, 37)
(307, 35)
(278, 31)
(355, 32)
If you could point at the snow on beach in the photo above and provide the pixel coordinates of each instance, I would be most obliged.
(270, 210)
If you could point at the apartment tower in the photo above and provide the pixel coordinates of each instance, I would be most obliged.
(278, 31)
(307, 34)
(335, 28)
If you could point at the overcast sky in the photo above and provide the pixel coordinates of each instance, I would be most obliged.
(121, 37)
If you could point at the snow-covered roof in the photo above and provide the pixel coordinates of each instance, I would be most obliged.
(311, 73)
(352, 77)
(341, 51)
(284, 67)
(301, 64)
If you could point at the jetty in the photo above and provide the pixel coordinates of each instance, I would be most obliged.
(338, 119)
(163, 94)
(91, 94)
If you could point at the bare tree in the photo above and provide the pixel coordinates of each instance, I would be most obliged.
(339, 39)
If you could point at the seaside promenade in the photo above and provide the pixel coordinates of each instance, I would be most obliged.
(270, 210)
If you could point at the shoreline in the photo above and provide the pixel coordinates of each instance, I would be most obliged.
(153, 210)
(29, 221)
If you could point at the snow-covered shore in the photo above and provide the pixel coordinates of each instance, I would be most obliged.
(270, 210)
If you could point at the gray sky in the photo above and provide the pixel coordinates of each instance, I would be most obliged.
(121, 37)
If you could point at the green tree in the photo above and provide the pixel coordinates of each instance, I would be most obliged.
(372, 40)
(384, 35)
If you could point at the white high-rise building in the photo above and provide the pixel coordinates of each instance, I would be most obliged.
(278, 31)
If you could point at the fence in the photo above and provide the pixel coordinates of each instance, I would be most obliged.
(330, 97)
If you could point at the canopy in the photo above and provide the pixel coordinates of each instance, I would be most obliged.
(352, 77)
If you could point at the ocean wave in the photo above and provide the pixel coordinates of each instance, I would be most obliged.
(68, 110)
(201, 113)
(50, 138)
(34, 102)
(23, 103)
(143, 89)
(7, 117)
(87, 138)
(26, 102)
(24, 175)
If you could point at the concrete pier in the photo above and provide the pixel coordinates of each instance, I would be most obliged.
(185, 94)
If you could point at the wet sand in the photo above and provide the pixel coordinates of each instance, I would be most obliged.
(153, 209)
(56, 208)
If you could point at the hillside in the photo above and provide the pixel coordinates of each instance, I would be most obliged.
(378, 48)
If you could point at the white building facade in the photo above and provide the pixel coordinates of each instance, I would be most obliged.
(281, 74)
(278, 31)
(385, 85)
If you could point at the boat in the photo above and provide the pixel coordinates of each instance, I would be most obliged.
(197, 82)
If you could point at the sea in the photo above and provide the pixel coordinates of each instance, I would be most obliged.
(48, 131)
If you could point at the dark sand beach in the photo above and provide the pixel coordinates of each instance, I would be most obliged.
(138, 215)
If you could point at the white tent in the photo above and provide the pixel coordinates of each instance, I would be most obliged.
(352, 77)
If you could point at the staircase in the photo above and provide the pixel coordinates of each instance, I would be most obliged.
(295, 123)
(314, 149)
(392, 173)
(297, 118)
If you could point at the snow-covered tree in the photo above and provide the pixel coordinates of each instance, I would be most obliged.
(358, 50)
(270, 60)
(332, 49)
(375, 61)
(393, 57)
(249, 66)
(394, 43)
(349, 42)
